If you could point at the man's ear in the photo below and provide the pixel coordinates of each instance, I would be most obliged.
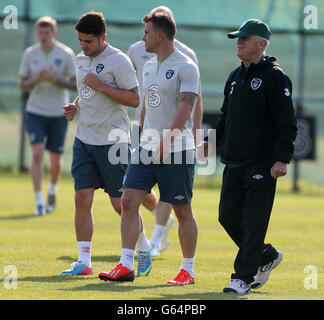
(160, 35)
(263, 44)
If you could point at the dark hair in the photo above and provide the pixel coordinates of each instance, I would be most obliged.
(91, 23)
(162, 22)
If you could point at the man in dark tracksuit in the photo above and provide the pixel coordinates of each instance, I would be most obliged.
(255, 136)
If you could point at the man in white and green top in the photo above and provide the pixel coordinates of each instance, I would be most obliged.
(139, 56)
(47, 70)
(107, 84)
(166, 154)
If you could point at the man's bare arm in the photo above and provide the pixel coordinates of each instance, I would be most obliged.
(143, 113)
(27, 84)
(129, 98)
(65, 82)
(186, 102)
(197, 118)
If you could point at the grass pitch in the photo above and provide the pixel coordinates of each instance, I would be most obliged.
(39, 248)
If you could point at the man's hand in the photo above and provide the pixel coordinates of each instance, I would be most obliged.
(49, 75)
(203, 151)
(40, 76)
(92, 81)
(163, 149)
(279, 169)
(70, 110)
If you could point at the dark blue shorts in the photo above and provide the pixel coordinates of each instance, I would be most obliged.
(51, 129)
(91, 168)
(175, 180)
(135, 136)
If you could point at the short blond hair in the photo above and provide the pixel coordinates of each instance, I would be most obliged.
(162, 9)
(46, 21)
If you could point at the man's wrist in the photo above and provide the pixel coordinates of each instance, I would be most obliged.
(101, 87)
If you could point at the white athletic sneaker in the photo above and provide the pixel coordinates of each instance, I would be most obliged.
(263, 273)
(165, 237)
(51, 203)
(40, 210)
(154, 250)
(237, 286)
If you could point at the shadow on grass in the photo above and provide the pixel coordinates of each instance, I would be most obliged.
(117, 287)
(113, 287)
(19, 217)
(123, 287)
(107, 258)
(56, 278)
(200, 296)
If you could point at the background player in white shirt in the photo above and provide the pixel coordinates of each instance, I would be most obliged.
(171, 85)
(107, 84)
(139, 56)
(47, 70)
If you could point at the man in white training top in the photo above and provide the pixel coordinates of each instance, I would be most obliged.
(47, 70)
(139, 56)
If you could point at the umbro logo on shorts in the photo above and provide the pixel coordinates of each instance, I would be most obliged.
(257, 176)
(179, 197)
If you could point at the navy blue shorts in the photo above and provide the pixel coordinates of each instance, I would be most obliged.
(51, 129)
(91, 168)
(175, 180)
(135, 136)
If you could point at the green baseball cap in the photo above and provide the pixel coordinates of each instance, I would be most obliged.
(251, 27)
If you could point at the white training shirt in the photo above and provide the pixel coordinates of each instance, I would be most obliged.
(139, 56)
(100, 117)
(47, 98)
(162, 85)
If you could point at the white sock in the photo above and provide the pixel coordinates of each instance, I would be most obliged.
(127, 258)
(188, 265)
(85, 252)
(142, 243)
(157, 235)
(39, 197)
(52, 188)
